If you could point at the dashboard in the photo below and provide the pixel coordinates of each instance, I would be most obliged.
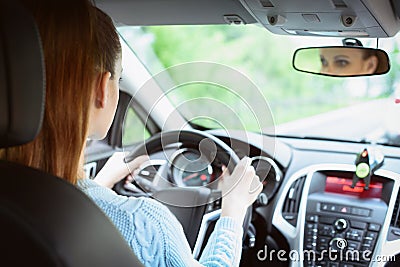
(312, 209)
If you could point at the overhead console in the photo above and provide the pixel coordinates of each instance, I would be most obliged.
(342, 18)
(329, 222)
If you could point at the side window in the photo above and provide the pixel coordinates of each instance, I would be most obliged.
(134, 130)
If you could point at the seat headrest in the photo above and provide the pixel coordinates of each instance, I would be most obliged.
(22, 76)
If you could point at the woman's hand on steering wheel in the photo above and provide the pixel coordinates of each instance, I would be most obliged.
(239, 190)
(116, 169)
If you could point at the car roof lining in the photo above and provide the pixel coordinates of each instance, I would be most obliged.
(369, 19)
(173, 12)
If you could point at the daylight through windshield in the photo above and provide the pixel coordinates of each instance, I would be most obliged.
(286, 101)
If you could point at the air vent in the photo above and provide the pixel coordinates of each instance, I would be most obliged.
(339, 4)
(266, 3)
(291, 206)
(395, 222)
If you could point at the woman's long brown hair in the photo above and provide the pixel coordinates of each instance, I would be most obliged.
(78, 41)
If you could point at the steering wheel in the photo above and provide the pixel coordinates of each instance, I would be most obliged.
(189, 203)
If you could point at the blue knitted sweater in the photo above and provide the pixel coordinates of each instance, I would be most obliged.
(156, 236)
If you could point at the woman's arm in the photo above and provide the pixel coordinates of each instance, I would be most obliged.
(154, 226)
(224, 246)
(165, 233)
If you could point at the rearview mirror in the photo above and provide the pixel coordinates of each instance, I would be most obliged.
(341, 61)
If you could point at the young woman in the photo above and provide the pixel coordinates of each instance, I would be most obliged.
(344, 61)
(83, 66)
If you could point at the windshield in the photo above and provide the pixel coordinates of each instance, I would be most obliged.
(260, 91)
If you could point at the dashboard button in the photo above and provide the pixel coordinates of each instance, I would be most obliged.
(369, 242)
(324, 227)
(360, 212)
(372, 235)
(330, 207)
(312, 218)
(374, 227)
(311, 232)
(310, 240)
(340, 225)
(326, 220)
(344, 209)
(333, 208)
(311, 226)
(326, 230)
(324, 207)
(323, 240)
(355, 234)
(358, 225)
(351, 245)
(217, 204)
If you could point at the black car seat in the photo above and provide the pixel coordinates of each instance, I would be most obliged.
(44, 221)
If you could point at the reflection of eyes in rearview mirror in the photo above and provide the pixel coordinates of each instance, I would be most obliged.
(340, 61)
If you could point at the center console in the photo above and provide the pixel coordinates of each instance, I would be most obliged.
(336, 224)
(342, 224)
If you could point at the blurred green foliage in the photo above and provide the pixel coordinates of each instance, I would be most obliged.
(266, 59)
